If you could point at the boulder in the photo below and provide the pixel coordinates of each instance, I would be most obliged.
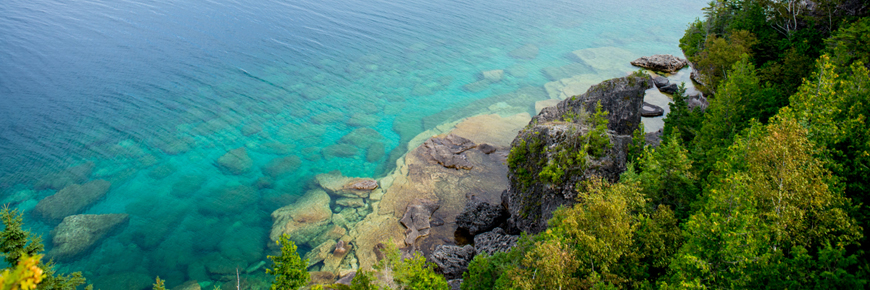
(416, 219)
(530, 200)
(73, 175)
(71, 200)
(339, 185)
(78, 234)
(320, 253)
(697, 77)
(661, 62)
(669, 89)
(697, 100)
(303, 220)
(346, 279)
(281, 166)
(451, 260)
(486, 148)
(480, 216)
(650, 110)
(448, 151)
(528, 51)
(653, 139)
(235, 162)
(455, 284)
(494, 241)
(661, 81)
(493, 76)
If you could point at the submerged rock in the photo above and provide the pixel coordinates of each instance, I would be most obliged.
(493, 76)
(73, 175)
(229, 200)
(661, 62)
(235, 162)
(351, 202)
(448, 151)
(339, 185)
(480, 216)
(71, 200)
(452, 261)
(281, 166)
(530, 200)
(528, 51)
(78, 234)
(416, 219)
(319, 253)
(303, 220)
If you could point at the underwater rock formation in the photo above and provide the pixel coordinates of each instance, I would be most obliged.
(527, 51)
(235, 161)
(71, 200)
(341, 186)
(531, 199)
(303, 220)
(77, 234)
(74, 175)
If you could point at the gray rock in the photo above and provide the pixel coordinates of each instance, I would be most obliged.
(451, 260)
(661, 81)
(650, 110)
(77, 234)
(60, 180)
(235, 161)
(494, 241)
(448, 151)
(346, 279)
(486, 148)
(530, 203)
(661, 62)
(281, 165)
(697, 100)
(71, 200)
(480, 216)
(669, 89)
(416, 219)
(455, 284)
(653, 139)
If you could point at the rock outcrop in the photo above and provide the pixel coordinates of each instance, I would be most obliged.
(530, 200)
(303, 220)
(495, 241)
(650, 110)
(452, 261)
(416, 219)
(78, 234)
(448, 151)
(71, 200)
(480, 216)
(661, 62)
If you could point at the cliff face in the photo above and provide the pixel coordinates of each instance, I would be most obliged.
(560, 148)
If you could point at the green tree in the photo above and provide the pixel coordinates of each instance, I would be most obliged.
(16, 243)
(720, 54)
(850, 44)
(666, 176)
(682, 121)
(288, 268)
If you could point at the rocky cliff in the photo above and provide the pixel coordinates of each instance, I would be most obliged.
(567, 144)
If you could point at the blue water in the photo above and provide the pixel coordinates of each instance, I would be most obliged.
(117, 83)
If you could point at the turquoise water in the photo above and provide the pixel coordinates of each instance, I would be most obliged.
(153, 93)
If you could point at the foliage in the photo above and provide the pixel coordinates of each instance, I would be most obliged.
(850, 44)
(638, 143)
(666, 176)
(16, 243)
(158, 284)
(720, 54)
(289, 269)
(415, 274)
(25, 275)
(682, 121)
(565, 158)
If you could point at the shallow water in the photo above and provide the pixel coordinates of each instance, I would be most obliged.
(155, 92)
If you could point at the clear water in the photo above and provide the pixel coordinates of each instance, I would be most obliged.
(117, 83)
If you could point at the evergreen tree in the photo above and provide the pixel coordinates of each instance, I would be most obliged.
(289, 269)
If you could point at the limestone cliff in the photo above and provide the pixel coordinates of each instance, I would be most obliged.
(561, 147)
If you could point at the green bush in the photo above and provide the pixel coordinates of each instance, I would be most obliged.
(289, 269)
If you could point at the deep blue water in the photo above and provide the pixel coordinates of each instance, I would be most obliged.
(116, 82)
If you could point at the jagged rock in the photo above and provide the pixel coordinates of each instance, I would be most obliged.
(455, 284)
(697, 100)
(650, 110)
(339, 185)
(303, 220)
(235, 161)
(494, 241)
(480, 216)
(351, 202)
(669, 89)
(528, 51)
(448, 151)
(493, 76)
(653, 139)
(332, 263)
(661, 62)
(661, 81)
(57, 181)
(529, 201)
(696, 76)
(71, 200)
(486, 148)
(451, 260)
(78, 234)
(320, 253)
(282, 165)
(416, 219)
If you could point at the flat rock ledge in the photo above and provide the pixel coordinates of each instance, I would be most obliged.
(448, 151)
(650, 110)
(661, 62)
